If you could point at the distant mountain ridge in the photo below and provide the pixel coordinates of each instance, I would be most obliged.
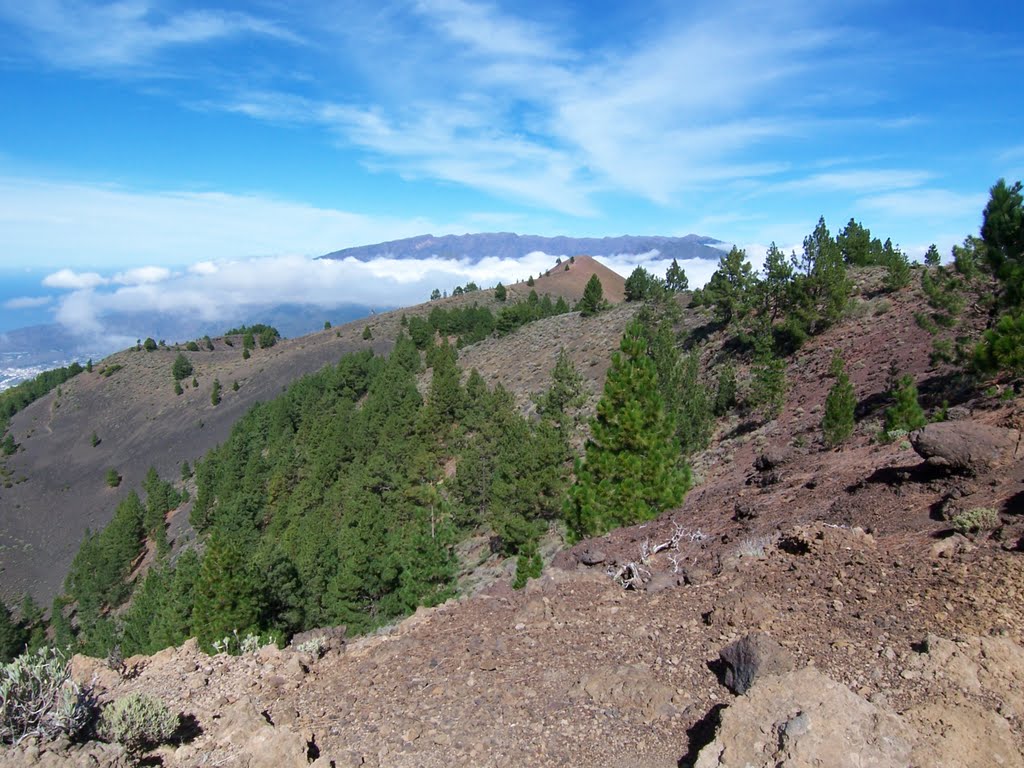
(508, 245)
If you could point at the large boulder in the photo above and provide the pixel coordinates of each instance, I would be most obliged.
(804, 719)
(965, 446)
(753, 656)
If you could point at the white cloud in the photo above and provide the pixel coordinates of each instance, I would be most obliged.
(203, 268)
(934, 205)
(27, 302)
(860, 181)
(523, 110)
(75, 281)
(235, 287)
(79, 224)
(142, 276)
(486, 30)
(124, 34)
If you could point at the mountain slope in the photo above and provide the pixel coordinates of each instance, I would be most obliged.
(893, 624)
(57, 488)
(508, 245)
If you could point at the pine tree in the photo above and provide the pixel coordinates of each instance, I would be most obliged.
(906, 413)
(12, 636)
(768, 385)
(856, 245)
(564, 396)
(675, 278)
(729, 289)
(725, 392)
(500, 293)
(840, 403)
(827, 283)
(693, 409)
(215, 392)
(1001, 347)
(777, 282)
(632, 469)
(528, 565)
(593, 297)
(226, 595)
(931, 256)
(897, 267)
(640, 285)
(444, 401)
(33, 622)
(1002, 231)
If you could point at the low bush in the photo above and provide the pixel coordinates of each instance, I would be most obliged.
(138, 722)
(39, 699)
(976, 520)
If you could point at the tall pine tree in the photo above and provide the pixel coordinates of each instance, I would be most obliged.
(840, 403)
(632, 469)
(226, 593)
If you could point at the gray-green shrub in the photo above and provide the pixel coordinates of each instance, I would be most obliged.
(976, 520)
(139, 722)
(39, 699)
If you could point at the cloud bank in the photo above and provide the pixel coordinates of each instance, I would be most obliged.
(217, 292)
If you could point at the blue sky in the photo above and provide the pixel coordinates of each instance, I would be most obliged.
(166, 134)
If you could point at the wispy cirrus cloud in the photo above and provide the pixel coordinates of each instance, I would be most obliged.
(859, 181)
(125, 33)
(486, 30)
(170, 227)
(935, 205)
(521, 110)
(28, 302)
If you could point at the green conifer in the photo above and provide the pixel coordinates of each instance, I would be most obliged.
(725, 393)
(905, 413)
(593, 297)
(632, 469)
(840, 403)
(675, 278)
(226, 595)
(12, 636)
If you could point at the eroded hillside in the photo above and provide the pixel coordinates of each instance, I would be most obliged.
(55, 486)
(868, 628)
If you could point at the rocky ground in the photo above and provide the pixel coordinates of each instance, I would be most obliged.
(819, 643)
(803, 607)
(869, 647)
